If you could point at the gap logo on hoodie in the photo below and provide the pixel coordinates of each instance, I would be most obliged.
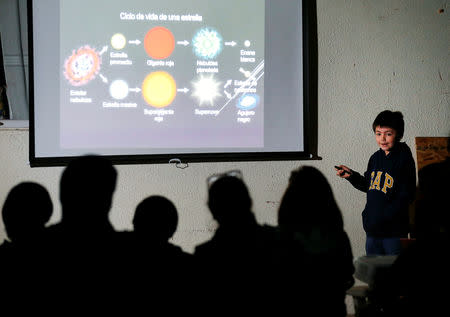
(375, 181)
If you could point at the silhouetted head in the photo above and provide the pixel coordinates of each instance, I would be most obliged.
(229, 201)
(156, 219)
(26, 210)
(309, 202)
(86, 188)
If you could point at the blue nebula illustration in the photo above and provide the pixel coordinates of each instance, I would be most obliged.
(248, 101)
(207, 43)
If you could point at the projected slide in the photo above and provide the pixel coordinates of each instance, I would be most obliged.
(183, 74)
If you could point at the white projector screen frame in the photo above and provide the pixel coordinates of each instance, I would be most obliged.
(152, 81)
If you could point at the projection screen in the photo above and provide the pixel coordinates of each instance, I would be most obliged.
(150, 81)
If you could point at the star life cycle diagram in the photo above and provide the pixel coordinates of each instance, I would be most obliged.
(169, 67)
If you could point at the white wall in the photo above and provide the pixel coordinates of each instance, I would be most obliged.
(373, 55)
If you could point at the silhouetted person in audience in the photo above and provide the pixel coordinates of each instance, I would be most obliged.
(155, 221)
(236, 263)
(417, 282)
(84, 248)
(161, 272)
(318, 263)
(27, 208)
(87, 186)
(155, 258)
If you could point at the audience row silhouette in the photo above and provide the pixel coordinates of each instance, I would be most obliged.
(302, 266)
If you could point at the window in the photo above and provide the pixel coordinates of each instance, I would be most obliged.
(14, 61)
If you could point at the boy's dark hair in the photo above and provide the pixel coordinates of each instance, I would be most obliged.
(391, 119)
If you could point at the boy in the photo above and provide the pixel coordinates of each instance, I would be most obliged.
(390, 184)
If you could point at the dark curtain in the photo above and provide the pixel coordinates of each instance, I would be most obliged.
(4, 106)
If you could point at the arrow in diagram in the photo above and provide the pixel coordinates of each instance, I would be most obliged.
(185, 43)
(135, 42)
(104, 49)
(228, 83)
(245, 72)
(227, 94)
(185, 90)
(134, 89)
(232, 43)
(104, 79)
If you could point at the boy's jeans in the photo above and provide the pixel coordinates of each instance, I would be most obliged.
(383, 246)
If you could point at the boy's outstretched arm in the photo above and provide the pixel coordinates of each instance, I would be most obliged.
(357, 180)
(343, 171)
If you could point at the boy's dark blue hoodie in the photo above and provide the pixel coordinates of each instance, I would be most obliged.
(390, 184)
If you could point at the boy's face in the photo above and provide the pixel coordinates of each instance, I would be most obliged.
(386, 138)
